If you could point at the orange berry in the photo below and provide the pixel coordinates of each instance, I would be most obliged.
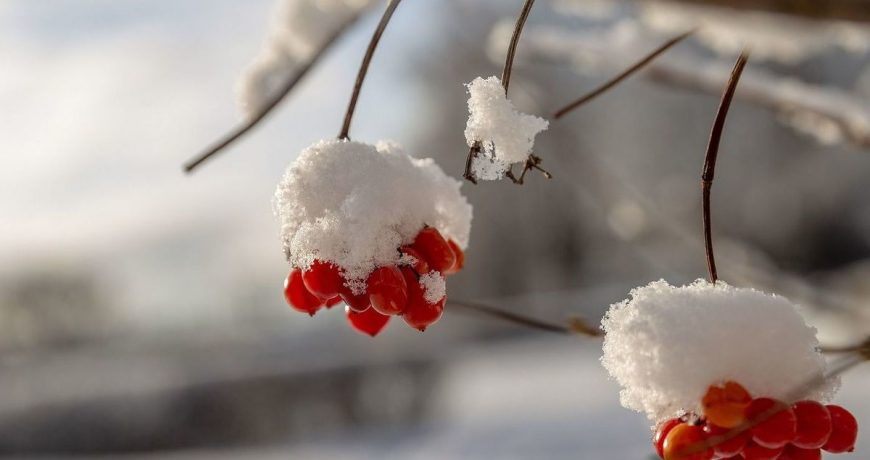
(686, 442)
(725, 405)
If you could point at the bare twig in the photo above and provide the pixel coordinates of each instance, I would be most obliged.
(364, 67)
(253, 121)
(575, 326)
(862, 348)
(623, 75)
(710, 160)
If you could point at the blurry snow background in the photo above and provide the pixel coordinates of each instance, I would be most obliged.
(140, 310)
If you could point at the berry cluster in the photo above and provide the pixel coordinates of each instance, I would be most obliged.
(736, 426)
(392, 290)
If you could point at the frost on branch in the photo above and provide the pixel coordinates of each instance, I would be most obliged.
(355, 204)
(300, 29)
(666, 345)
(506, 135)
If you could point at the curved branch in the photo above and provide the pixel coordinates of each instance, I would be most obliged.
(252, 122)
(712, 154)
(515, 41)
(575, 326)
(364, 67)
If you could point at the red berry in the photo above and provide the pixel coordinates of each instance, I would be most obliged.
(420, 265)
(419, 313)
(460, 258)
(844, 431)
(323, 279)
(333, 301)
(298, 297)
(686, 442)
(732, 446)
(777, 424)
(793, 452)
(725, 405)
(432, 246)
(387, 290)
(368, 322)
(662, 433)
(813, 425)
(753, 451)
(357, 303)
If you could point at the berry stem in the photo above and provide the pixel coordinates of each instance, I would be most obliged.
(712, 154)
(623, 75)
(364, 67)
(575, 326)
(252, 122)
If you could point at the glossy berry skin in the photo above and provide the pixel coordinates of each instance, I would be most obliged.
(683, 441)
(387, 290)
(460, 258)
(730, 448)
(420, 265)
(357, 303)
(662, 433)
(753, 451)
(725, 405)
(333, 301)
(434, 249)
(793, 452)
(419, 313)
(813, 424)
(844, 431)
(369, 322)
(775, 430)
(297, 295)
(323, 279)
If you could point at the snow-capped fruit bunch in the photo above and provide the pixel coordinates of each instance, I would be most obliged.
(415, 289)
(373, 228)
(505, 135)
(776, 430)
(674, 351)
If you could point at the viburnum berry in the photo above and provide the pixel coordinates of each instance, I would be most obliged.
(686, 442)
(753, 451)
(732, 446)
(297, 295)
(844, 431)
(725, 405)
(387, 290)
(662, 433)
(358, 303)
(459, 264)
(779, 424)
(434, 249)
(368, 322)
(420, 265)
(419, 313)
(323, 279)
(793, 452)
(813, 424)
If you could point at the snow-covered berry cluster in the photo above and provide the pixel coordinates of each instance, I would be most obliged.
(371, 227)
(772, 429)
(505, 136)
(705, 349)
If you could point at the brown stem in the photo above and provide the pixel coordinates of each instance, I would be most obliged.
(252, 122)
(575, 326)
(622, 76)
(515, 40)
(712, 154)
(364, 68)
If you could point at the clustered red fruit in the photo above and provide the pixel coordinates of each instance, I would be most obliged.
(390, 290)
(735, 426)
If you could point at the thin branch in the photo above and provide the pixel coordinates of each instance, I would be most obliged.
(364, 68)
(575, 326)
(473, 151)
(623, 75)
(862, 348)
(712, 154)
(515, 41)
(252, 122)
